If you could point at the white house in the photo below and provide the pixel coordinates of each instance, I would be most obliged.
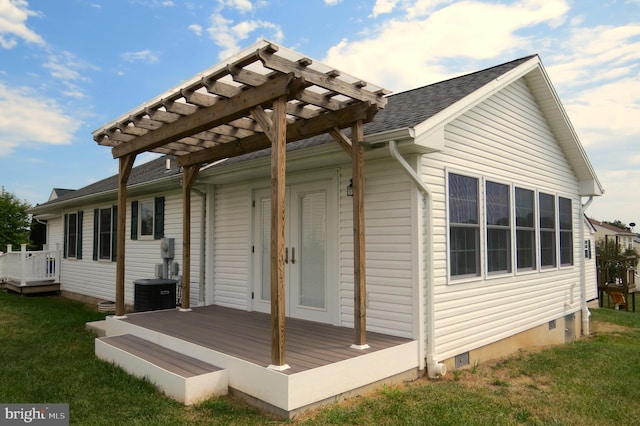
(475, 191)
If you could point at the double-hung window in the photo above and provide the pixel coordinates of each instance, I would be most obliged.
(104, 233)
(464, 226)
(547, 207)
(498, 218)
(525, 229)
(73, 235)
(566, 231)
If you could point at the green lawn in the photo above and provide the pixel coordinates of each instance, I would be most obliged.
(47, 357)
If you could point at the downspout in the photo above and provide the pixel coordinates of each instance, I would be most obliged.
(203, 245)
(435, 369)
(583, 279)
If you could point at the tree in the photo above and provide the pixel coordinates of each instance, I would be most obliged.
(14, 220)
(618, 224)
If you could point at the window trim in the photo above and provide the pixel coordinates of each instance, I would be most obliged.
(556, 236)
(537, 268)
(570, 231)
(480, 275)
(509, 228)
(536, 243)
(151, 202)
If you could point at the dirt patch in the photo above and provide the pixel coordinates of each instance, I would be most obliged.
(602, 327)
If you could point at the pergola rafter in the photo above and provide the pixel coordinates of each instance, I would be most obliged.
(264, 97)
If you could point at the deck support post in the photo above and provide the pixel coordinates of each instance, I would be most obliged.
(359, 262)
(278, 164)
(124, 170)
(188, 179)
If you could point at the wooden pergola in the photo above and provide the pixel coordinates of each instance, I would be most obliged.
(263, 97)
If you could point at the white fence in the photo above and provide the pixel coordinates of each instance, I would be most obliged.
(30, 266)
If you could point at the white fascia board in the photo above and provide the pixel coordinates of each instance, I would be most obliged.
(592, 185)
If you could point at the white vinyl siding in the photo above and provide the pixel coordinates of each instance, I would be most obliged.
(503, 139)
(390, 252)
(97, 278)
(231, 246)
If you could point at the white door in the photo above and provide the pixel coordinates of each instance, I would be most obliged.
(308, 289)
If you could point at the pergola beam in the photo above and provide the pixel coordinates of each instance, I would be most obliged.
(297, 130)
(204, 119)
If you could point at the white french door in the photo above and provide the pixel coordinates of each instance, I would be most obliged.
(309, 291)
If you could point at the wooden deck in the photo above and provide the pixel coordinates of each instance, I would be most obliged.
(247, 336)
(32, 287)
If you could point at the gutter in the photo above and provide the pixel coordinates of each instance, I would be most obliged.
(583, 279)
(435, 369)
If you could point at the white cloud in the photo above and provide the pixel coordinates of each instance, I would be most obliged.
(67, 67)
(331, 2)
(241, 5)
(228, 36)
(383, 6)
(608, 112)
(469, 29)
(13, 18)
(619, 201)
(197, 29)
(140, 56)
(28, 119)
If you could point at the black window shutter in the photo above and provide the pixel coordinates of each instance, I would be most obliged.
(65, 235)
(79, 243)
(134, 220)
(114, 233)
(96, 224)
(158, 223)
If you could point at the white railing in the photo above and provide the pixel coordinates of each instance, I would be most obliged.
(28, 266)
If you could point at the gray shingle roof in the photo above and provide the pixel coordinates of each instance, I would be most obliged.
(405, 109)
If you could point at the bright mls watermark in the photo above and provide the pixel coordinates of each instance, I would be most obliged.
(34, 414)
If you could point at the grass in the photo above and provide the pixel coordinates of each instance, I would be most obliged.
(47, 357)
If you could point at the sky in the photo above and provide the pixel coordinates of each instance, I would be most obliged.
(67, 67)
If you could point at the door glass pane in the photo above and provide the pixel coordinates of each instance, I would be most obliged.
(312, 256)
(265, 238)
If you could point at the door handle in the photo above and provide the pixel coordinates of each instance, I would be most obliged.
(286, 255)
(293, 255)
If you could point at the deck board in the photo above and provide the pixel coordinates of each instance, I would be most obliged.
(247, 335)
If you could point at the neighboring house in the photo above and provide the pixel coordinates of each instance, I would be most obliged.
(475, 232)
(613, 235)
(591, 267)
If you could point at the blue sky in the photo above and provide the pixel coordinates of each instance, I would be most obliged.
(69, 66)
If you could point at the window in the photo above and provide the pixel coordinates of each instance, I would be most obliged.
(498, 217)
(547, 230)
(464, 226)
(147, 219)
(587, 249)
(104, 233)
(525, 229)
(566, 231)
(73, 235)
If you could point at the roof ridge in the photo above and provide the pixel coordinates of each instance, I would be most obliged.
(449, 80)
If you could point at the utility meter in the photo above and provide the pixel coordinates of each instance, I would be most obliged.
(166, 248)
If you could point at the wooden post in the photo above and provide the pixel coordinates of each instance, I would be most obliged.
(188, 179)
(359, 263)
(125, 166)
(278, 163)
(23, 265)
